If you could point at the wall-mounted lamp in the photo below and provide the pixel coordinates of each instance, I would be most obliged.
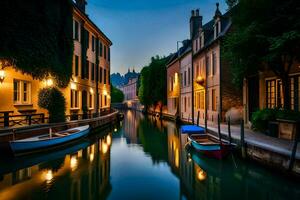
(200, 80)
(2, 75)
(49, 82)
(73, 86)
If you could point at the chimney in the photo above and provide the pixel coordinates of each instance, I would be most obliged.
(195, 23)
(81, 4)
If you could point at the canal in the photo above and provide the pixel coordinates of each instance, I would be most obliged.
(142, 158)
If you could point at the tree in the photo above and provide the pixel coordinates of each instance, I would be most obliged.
(53, 100)
(117, 95)
(265, 35)
(36, 37)
(153, 85)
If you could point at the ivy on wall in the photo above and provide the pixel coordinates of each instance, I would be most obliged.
(36, 37)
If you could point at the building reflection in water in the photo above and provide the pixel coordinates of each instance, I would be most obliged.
(131, 123)
(83, 174)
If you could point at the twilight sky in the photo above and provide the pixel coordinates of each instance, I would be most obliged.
(140, 29)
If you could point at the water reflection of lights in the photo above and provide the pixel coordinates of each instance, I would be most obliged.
(48, 176)
(108, 140)
(201, 175)
(91, 157)
(73, 162)
(104, 147)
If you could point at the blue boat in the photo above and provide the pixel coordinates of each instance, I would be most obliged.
(209, 145)
(37, 143)
(192, 129)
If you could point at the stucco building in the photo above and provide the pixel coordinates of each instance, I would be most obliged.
(130, 89)
(90, 84)
(214, 93)
(173, 85)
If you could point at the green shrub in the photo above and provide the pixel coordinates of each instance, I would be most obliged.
(53, 100)
(261, 118)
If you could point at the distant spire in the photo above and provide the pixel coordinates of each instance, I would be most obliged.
(128, 69)
(133, 70)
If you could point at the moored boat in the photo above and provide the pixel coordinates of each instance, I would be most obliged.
(192, 129)
(41, 142)
(209, 145)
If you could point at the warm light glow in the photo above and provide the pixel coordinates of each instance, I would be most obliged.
(108, 140)
(73, 162)
(176, 78)
(115, 130)
(2, 75)
(200, 80)
(91, 91)
(91, 157)
(73, 86)
(104, 147)
(48, 175)
(201, 175)
(49, 82)
(104, 92)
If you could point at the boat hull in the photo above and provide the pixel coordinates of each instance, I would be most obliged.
(28, 146)
(218, 151)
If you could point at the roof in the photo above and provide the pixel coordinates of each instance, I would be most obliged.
(181, 52)
(208, 30)
(91, 22)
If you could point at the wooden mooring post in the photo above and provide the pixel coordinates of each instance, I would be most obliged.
(229, 130)
(198, 115)
(219, 128)
(243, 139)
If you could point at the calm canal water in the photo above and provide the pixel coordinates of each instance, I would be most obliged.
(141, 159)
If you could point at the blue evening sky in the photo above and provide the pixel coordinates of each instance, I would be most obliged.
(140, 29)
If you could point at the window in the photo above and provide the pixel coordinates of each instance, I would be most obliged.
(208, 64)
(189, 76)
(91, 101)
(76, 65)
(214, 100)
(87, 70)
(271, 93)
(201, 101)
(76, 31)
(22, 92)
(93, 43)
(181, 79)
(105, 100)
(74, 99)
(214, 63)
(208, 100)
(197, 100)
(185, 104)
(87, 39)
(108, 78)
(184, 78)
(101, 49)
(93, 72)
(100, 75)
(104, 76)
(104, 52)
(171, 83)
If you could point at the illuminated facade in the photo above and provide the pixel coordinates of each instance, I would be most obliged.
(214, 93)
(90, 84)
(173, 85)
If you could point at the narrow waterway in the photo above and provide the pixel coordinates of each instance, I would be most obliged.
(142, 158)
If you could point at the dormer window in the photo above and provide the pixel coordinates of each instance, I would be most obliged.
(217, 28)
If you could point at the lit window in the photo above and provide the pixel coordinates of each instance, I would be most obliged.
(91, 101)
(74, 99)
(22, 92)
(214, 100)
